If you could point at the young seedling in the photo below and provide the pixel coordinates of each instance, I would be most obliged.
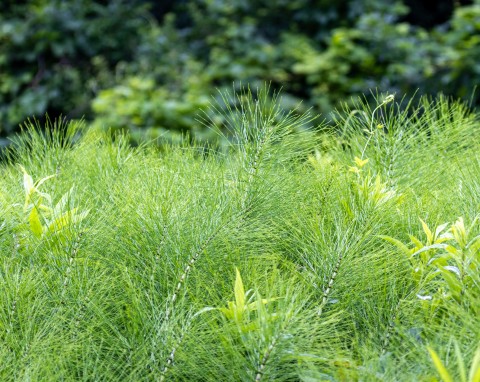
(39, 207)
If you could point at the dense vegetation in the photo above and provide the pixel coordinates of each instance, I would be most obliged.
(148, 67)
(348, 255)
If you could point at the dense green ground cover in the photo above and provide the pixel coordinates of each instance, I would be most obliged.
(347, 255)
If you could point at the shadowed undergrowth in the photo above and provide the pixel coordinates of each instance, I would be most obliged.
(348, 254)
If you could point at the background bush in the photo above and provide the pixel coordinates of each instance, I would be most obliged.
(54, 55)
(150, 67)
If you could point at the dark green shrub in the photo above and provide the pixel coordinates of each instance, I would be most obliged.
(152, 73)
(54, 55)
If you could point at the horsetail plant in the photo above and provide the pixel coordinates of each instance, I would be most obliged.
(132, 263)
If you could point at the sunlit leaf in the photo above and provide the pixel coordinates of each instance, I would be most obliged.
(360, 162)
(35, 223)
(43, 180)
(459, 232)
(239, 292)
(428, 248)
(427, 232)
(440, 229)
(397, 243)
(452, 269)
(418, 243)
(27, 182)
(439, 366)
(474, 374)
(451, 250)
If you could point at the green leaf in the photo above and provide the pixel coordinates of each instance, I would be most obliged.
(62, 221)
(428, 248)
(461, 363)
(452, 250)
(439, 366)
(28, 186)
(27, 182)
(418, 243)
(35, 223)
(62, 203)
(397, 243)
(263, 301)
(440, 229)
(427, 232)
(474, 374)
(474, 244)
(239, 292)
(41, 181)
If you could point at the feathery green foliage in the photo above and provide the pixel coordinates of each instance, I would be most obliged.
(346, 254)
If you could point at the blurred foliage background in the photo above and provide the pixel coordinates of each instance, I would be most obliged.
(150, 66)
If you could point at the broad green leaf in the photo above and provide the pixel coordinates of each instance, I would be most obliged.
(474, 244)
(360, 162)
(452, 281)
(452, 250)
(44, 195)
(27, 182)
(250, 327)
(35, 223)
(41, 181)
(452, 269)
(439, 366)
(418, 243)
(458, 230)
(440, 229)
(427, 232)
(397, 243)
(239, 292)
(229, 313)
(28, 187)
(476, 374)
(428, 248)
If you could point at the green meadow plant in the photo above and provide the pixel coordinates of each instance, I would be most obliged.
(284, 253)
(54, 217)
(473, 374)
